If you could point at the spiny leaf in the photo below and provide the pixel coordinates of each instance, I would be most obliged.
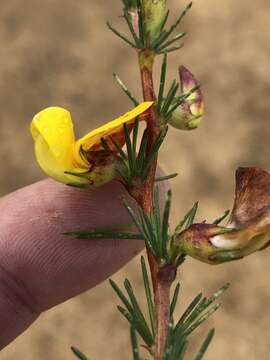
(78, 353)
(98, 234)
(174, 299)
(187, 220)
(222, 217)
(175, 38)
(126, 90)
(170, 97)
(134, 344)
(148, 295)
(202, 319)
(170, 49)
(166, 34)
(205, 345)
(166, 177)
(117, 33)
(121, 296)
(162, 82)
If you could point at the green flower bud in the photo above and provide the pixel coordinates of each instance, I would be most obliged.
(189, 113)
(154, 12)
(248, 229)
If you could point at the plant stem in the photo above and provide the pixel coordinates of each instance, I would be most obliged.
(162, 277)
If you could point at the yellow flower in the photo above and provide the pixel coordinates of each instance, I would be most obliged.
(81, 162)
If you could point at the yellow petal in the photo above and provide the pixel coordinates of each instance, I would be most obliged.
(109, 128)
(52, 130)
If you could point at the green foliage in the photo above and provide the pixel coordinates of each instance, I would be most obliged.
(223, 217)
(78, 353)
(133, 313)
(154, 227)
(135, 165)
(198, 311)
(105, 234)
(161, 42)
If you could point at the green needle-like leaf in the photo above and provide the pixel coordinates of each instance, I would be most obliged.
(98, 234)
(78, 353)
(220, 219)
(175, 38)
(205, 345)
(190, 308)
(170, 49)
(170, 97)
(135, 135)
(174, 299)
(133, 215)
(165, 20)
(134, 344)
(118, 148)
(153, 152)
(117, 33)
(202, 319)
(162, 82)
(148, 295)
(165, 221)
(183, 350)
(126, 314)
(121, 296)
(142, 152)
(191, 217)
(126, 90)
(187, 220)
(156, 221)
(166, 177)
(165, 35)
(147, 336)
(216, 295)
(131, 153)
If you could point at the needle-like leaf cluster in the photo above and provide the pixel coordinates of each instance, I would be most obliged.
(163, 42)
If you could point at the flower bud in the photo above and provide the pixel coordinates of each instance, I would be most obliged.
(154, 12)
(248, 229)
(189, 113)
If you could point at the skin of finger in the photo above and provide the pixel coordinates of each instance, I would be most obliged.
(40, 266)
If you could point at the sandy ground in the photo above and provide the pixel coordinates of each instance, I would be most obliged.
(59, 52)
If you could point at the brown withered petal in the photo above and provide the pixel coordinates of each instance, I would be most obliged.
(252, 196)
(248, 229)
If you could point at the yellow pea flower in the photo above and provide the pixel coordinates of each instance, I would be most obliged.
(81, 162)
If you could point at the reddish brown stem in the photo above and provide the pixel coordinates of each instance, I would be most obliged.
(162, 277)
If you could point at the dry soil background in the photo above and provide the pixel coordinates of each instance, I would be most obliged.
(59, 52)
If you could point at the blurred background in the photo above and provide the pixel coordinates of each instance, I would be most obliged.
(60, 53)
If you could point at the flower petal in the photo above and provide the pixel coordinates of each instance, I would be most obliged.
(110, 128)
(252, 196)
(52, 130)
